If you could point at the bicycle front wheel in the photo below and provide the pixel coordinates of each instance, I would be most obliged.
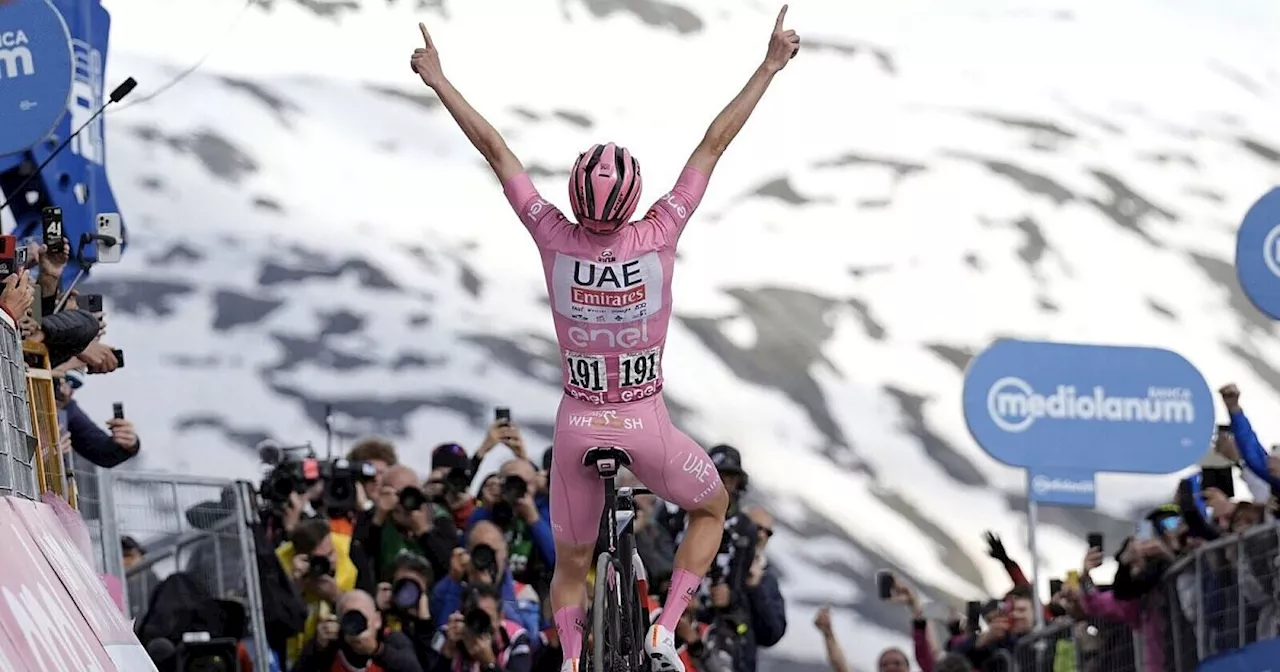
(604, 622)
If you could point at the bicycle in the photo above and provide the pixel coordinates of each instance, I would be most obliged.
(619, 622)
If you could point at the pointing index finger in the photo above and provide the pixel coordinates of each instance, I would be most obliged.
(781, 16)
(426, 37)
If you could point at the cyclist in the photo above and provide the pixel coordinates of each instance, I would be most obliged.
(609, 281)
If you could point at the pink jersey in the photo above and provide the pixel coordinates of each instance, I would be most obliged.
(610, 294)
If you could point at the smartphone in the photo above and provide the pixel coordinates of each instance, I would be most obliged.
(119, 357)
(1222, 478)
(1055, 587)
(90, 302)
(1094, 540)
(972, 616)
(502, 415)
(8, 256)
(52, 230)
(110, 226)
(1146, 531)
(884, 584)
(117, 411)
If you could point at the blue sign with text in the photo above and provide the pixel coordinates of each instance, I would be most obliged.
(1087, 408)
(1062, 487)
(35, 72)
(1258, 254)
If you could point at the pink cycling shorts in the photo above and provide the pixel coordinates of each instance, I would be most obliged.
(663, 458)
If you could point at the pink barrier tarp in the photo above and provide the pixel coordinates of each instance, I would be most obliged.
(37, 612)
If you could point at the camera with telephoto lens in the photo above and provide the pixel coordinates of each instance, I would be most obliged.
(513, 489)
(484, 560)
(353, 624)
(200, 652)
(341, 478)
(285, 479)
(412, 498)
(318, 566)
(405, 594)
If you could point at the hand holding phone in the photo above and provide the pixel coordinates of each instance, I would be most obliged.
(117, 410)
(1094, 540)
(52, 232)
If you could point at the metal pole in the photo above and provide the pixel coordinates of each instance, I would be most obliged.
(1032, 515)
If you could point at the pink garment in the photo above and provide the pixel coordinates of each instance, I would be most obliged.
(1104, 605)
(611, 302)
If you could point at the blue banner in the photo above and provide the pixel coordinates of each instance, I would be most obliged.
(1259, 657)
(1087, 408)
(1062, 487)
(1258, 254)
(35, 72)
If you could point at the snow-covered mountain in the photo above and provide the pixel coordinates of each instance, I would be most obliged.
(309, 227)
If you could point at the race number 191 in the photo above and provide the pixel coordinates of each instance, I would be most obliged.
(586, 372)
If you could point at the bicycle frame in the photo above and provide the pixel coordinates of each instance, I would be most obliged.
(619, 518)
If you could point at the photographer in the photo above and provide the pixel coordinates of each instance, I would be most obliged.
(321, 568)
(382, 456)
(403, 518)
(1014, 619)
(451, 474)
(355, 641)
(404, 603)
(479, 636)
(524, 517)
(484, 562)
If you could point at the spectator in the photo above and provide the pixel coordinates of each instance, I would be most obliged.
(490, 491)
(382, 455)
(1014, 619)
(480, 636)
(404, 604)
(524, 517)
(138, 584)
(484, 562)
(104, 448)
(416, 524)
(321, 567)
(355, 640)
(501, 432)
(451, 474)
(657, 549)
(835, 654)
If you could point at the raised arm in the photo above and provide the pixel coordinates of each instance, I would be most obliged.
(426, 62)
(783, 46)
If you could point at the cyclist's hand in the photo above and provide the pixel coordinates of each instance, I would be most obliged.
(455, 628)
(720, 596)
(783, 44)
(426, 60)
(823, 620)
(459, 563)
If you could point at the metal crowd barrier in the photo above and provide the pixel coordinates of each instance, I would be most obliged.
(18, 463)
(201, 526)
(1223, 596)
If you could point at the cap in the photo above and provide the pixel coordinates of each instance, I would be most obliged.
(450, 455)
(727, 459)
(129, 544)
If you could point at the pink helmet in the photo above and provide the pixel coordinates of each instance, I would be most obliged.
(604, 187)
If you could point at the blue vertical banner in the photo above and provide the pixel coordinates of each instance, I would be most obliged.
(1258, 254)
(35, 72)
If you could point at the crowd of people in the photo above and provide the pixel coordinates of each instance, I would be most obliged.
(1157, 614)
(421, 574)
(71, 327)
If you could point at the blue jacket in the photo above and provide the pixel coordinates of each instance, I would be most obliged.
(91, 441)
(768, 620)
(446, 598)
(1251, 450)
(543, 540)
